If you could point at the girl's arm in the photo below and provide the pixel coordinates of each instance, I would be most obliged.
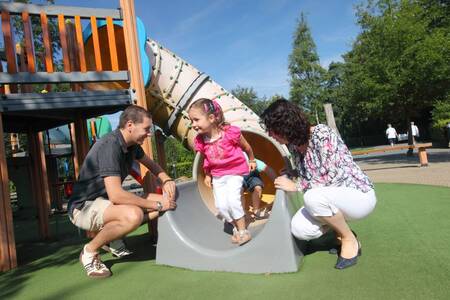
(248, 149)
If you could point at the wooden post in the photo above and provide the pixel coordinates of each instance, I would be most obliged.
(8, 258)
(73, 56)
(134, 66)
(137, 83)
(330, 117)
(40, 180)
(423, 158)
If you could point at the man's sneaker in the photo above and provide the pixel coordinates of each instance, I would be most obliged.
(94, 267)
(117, 248)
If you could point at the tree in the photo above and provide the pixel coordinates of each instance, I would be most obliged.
(305, 70)
(249, 97)
(399, 66)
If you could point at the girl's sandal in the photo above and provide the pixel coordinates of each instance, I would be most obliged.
(261, 214)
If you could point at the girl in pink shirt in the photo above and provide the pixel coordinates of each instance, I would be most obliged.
(224, 163)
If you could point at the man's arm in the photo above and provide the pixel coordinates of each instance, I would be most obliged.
(168, 184)
(118, 196)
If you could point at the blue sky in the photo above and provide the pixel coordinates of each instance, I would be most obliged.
(243, 42)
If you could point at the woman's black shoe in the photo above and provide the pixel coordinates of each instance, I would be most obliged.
(343, 263)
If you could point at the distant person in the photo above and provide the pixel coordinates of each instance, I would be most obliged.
(224, 163)
(391, 135)
(447, 129)
(99, 203)
(335, 188)
(415, 131)
(255, 185)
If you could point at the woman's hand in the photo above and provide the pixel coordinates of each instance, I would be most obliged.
(169, 187)
(208, 181)
(252, 166)
(285, 184)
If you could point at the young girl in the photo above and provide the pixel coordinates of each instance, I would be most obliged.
(224, 163)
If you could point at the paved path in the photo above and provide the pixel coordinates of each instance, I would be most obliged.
(399, 168)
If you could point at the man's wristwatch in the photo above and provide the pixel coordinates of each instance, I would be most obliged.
(159, 205)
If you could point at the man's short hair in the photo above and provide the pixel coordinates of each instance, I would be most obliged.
(134, 114)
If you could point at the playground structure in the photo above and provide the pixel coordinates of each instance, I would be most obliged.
(110, 64)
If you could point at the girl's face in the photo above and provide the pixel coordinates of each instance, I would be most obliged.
(201, 122)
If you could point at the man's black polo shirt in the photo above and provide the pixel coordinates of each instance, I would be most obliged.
(109, 156)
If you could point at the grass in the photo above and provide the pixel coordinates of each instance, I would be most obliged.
(406, 255)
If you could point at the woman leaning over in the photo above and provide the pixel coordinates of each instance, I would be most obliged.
(335, 189)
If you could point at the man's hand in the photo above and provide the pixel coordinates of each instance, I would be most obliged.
(168, 203)
(285, 184)
(252, 165)
(208, 181)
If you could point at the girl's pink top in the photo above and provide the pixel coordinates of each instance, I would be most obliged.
(223, 156)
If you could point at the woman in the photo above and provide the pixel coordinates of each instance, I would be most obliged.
(335, 189)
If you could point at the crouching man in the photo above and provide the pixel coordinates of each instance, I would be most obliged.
(100, 204)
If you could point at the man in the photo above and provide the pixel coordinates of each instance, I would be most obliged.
(391, 135)
(415, 132)
(100, 204)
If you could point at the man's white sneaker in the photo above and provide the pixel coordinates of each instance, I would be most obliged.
(92, 264)
(117, 248)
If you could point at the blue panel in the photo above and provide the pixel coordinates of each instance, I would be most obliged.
(146, 68)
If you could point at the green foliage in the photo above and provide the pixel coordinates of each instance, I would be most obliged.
(249, 97)
(399, 66)
(305, 70)
(179, 159)
(441, 117)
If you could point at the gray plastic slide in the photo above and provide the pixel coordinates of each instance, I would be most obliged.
(192, 237)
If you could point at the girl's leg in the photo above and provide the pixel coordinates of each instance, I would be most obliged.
(234, 192)
(234, 185)
(220, 190)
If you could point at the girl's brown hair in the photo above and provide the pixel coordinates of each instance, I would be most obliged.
(211, 107)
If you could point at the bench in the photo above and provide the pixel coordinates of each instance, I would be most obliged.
(423, 158)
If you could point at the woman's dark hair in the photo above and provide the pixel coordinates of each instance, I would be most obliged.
(286, 120)
(134, 114)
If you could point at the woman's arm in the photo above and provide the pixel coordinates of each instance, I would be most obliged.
(285, 184)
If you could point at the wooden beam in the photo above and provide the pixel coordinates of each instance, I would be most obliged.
(134, 62)
(40, 181)
(80, 43)
(137, 83)
(112, 44)
(28, 42)
(9, 46)
(96, 43)
(8, 258)
(64, 46)
(47, 44)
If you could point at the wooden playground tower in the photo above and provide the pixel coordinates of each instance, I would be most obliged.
(23, 111)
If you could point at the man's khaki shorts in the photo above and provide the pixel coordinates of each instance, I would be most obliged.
(90, 217)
